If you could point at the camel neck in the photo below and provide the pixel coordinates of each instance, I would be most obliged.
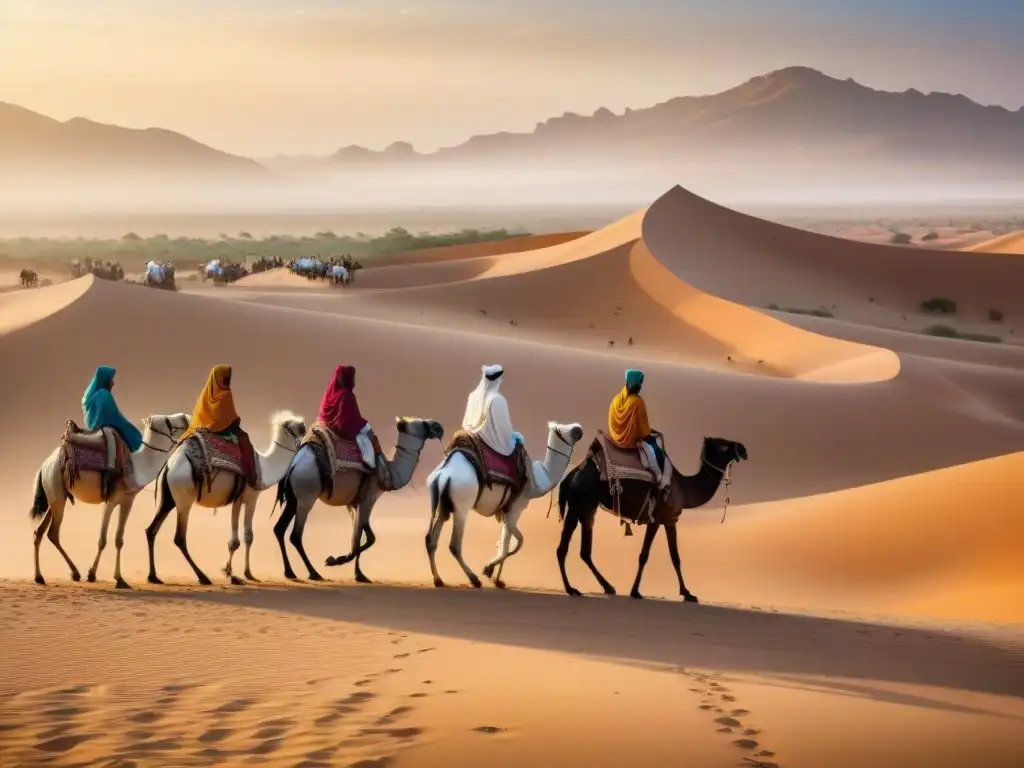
(700, 488)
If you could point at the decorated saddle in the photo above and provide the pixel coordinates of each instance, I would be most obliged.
(100, 450)
(492, 468)
(615, 464)
(336, 454)
(210, 454)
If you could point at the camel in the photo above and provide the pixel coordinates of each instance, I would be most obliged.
(301, 488)
(159, 436)
(29, 279)
(583, 491)
(176, 488)
(455, 491)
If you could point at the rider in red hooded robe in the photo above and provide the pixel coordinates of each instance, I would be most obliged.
(339, 412)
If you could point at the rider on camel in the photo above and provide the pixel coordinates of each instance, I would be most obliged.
(339, 412)
(487, 416)
(215, 411)
(628, 427)
(100, 410)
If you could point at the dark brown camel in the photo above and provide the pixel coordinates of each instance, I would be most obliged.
(583, 491)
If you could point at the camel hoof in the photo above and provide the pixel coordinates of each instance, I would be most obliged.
(314, 576)
(488, 571)
(499, 584)
(635, 594)
(122, 584)
(91, 577)
(610, 591)
(154, 579)
(688, 598)
(40, 581)
(331, 561)
(253, 579)
(237, 581)
(437, 582)
(204, 581)
(361, 579)
(477, 584)
(76, 576)
(573, 592)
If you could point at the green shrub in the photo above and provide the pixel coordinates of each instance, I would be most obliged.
(901, 238)
(932, 235)
(939, 306)
(948, 332)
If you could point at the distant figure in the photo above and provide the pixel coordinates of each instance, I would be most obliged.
(215, 411)
(487, 415)
(99, 409)
(628, 427)
(339, 412)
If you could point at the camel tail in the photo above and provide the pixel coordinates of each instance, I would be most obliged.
(40, 504)
(563, 492)
(440, 502)
(281, 497)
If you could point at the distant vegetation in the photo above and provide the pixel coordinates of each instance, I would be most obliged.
(940, 306)
(133, 251)
(948, 332)
(995, 315)
(901, 238)
(819, 312)
(932, 235)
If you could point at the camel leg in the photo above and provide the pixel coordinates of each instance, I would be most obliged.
(504, 540)
(123, 511)
(167, 503)
(433, 539)
(234, 543)
(568, 529)
(511, 525)
(181, 542)
(586, 547)
(53, 534)
(645, 552)
(108, 512)
(673, 552)
(455, 545)
(250, 513)
(296, 539)
(280, 528)
(363, 524)
(37, 539)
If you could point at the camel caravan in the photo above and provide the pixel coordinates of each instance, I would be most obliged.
(206, 459)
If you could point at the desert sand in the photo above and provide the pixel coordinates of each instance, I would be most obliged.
(1012, 242)
(863, 599)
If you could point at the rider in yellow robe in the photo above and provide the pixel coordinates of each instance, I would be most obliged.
(629, 427)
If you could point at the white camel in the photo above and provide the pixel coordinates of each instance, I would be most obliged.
(176, 488)
(51, 494)
(301, 488)
(455, 491)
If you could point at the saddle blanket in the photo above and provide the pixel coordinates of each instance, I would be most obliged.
(96, 451)
(492, 467)
(209, 453)
(336, 454)
(615, 463)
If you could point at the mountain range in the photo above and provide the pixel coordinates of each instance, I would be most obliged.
(795, 115)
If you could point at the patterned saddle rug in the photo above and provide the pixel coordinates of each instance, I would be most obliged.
(210, 454)
(336, 454)
(615, 464)
(512, 472)
(101, 450)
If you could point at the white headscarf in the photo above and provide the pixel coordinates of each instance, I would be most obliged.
(487, 414)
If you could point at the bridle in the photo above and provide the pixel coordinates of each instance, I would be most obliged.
(726, 477)
(285, 447)
(167, 434)
(558, 433)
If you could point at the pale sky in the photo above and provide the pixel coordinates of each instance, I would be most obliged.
(262, 77)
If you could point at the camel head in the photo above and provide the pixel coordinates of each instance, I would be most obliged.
(424, 429)
(168, 427)
(570, 434)
(288, 428)
(720, 453)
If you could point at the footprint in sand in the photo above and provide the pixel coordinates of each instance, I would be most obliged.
(401, 655)
(732, 722)
(746, 744)
(488, 729)
(214, 735)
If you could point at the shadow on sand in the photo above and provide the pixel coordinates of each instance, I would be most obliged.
(659, 633)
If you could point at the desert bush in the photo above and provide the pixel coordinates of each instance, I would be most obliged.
(901, 238)
(941, 306)
(818, 312)
(995, 315)
(949, 332)
(932, 235)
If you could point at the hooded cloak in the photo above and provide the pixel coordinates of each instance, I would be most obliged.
(627, 416)
(100, 409)
(487, 414)
(339, 410)
(215, 408)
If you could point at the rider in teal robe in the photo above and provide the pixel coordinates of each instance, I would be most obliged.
(100, 410)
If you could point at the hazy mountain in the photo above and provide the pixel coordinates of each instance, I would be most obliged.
(33, 145)
(793, 115)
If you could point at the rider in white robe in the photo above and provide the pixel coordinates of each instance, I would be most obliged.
(487, 414)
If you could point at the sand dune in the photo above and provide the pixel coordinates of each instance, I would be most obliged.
(1012, 242)
(883, 480)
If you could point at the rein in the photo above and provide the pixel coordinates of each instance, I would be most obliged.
(726, 480)
(174, 443)
(567, 456)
